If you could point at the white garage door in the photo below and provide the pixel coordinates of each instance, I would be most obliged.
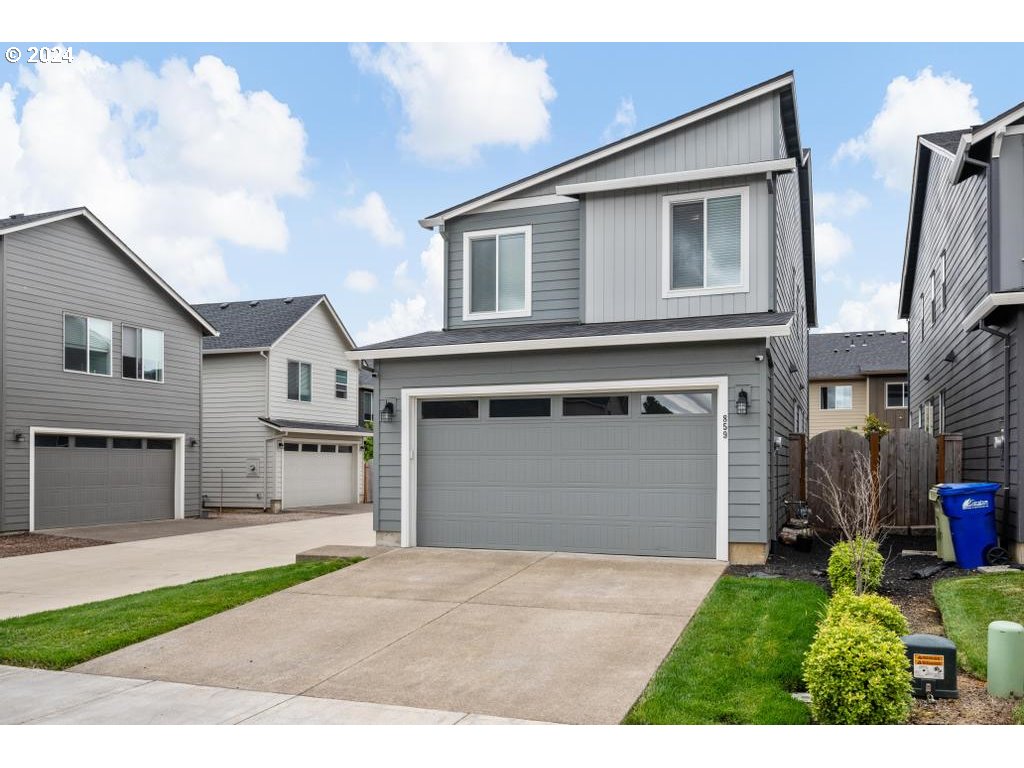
(316, 474)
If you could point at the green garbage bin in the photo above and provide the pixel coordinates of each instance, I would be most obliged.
(943, 536)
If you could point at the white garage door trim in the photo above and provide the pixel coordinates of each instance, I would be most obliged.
(409, 414)
(179, 461)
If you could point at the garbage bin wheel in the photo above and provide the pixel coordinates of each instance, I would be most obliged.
(997, 556)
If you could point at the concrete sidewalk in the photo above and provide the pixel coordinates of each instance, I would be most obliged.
(37, 696)
(33, 583)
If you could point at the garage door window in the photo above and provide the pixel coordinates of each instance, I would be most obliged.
(328, 449)
(125, 443)
(451, 409)
(291, 446)
(692, 403)
(309, 447)
(88, 441)
(160, 445)
(596, 405)
(520, 407)
(52, 441)
(87, 343)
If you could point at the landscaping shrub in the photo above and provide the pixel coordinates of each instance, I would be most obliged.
(856, 673)
(874, 609)
(843, 561)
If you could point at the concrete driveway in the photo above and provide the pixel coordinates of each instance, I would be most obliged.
(531, 635)
(50, 580)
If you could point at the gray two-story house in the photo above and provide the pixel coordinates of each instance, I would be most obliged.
(624, 350)
(100, 379)
(962, 294)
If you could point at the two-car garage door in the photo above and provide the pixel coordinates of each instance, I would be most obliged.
(623, 473)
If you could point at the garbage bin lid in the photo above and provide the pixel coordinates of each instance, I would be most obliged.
(956, 489)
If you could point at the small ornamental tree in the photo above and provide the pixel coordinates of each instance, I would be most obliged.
(875, 426)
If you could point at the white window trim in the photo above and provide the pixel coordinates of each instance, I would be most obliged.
(835, 386)
(467, 273)
(179, 461)
(336, 372)
(299, 399)
(906, 396)
(64, 342)
(409, 431)
(667, 201)
(163, 362)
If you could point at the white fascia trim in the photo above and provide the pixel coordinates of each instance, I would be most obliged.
(292, 432)
(179, 461)
(235, 350)
(85, 212)
(334, 315)
(936, 148)
(679, 177)
(526, 202)
(601, 154)
(576, 342)
(989, 303)
(409, 411)
(1013, 117)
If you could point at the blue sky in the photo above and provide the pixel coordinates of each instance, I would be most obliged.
(368, 122)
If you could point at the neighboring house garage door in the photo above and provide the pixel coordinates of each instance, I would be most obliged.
(318, 474)
(89, 480)
(627, 474)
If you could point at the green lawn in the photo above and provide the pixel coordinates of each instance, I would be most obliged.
(739, 658)
(62, 638)
(969, 604)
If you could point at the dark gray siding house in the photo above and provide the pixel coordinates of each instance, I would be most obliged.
(624, 350)
(100, 386)
(962, 294)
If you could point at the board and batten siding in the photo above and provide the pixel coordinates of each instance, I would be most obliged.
(955, 220)
(623, 240)
(747, 480)
(234, 398)
(69, 266)
(316, 340)
(555, 257)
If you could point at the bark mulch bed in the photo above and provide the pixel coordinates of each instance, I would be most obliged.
(914, 598)
(15, 544)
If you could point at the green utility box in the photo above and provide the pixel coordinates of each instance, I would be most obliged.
(943, 536)
(1005, 659)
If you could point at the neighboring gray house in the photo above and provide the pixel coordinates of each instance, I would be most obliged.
(624, 349)
(963, 296)
(281, 406)
(100, 379)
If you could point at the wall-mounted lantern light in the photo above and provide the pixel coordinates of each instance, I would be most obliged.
(193, 442)
(19, 437)
(387, 413)
(742, 402)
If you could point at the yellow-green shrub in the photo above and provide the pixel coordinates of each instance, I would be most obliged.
(856, 673)
(870, 608)
(842, 565)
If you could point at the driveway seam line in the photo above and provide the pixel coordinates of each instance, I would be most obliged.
(60, 710)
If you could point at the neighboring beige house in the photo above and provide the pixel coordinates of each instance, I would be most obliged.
(855, 374)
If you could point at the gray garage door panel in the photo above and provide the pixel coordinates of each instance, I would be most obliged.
(91, 486)
(616, 484)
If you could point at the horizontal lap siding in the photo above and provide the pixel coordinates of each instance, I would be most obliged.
(555, 254)
(68, 266)
(734, 359)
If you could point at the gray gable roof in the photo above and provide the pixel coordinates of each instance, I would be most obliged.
(18, 219)
(253, 324)
(948, 140)
(856, 354)
(492, 334)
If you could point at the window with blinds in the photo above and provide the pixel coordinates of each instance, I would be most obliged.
(300, 381)
(497, 266)
(705, 238)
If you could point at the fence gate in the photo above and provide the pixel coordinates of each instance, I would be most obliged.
(831, 455)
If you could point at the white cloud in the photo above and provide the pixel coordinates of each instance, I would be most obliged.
(877, 308)
(839, 205)
(461, 97)
(360, 281)
(924, 104)
(420, 311)
(177, 162)
(624, 121)
(831, 245)
(373, 216)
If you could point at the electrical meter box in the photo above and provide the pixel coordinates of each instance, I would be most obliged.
(932, 665)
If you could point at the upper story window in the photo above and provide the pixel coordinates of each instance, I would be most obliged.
(704, 242)
(896, 394)
(142, 353)
(87, 345)
(340, 383)
(496, 268)
(366, 405)
(837, 398)
(931, 295)
(942, 277)
(300, 381)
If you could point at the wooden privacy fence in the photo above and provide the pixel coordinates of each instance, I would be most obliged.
(904, 464)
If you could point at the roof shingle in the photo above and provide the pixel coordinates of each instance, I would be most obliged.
(253, 324)
(856, 354)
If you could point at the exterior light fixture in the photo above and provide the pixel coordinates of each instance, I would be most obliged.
(193, 442)
(387, 413)
(19, 437)
(742, 403)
